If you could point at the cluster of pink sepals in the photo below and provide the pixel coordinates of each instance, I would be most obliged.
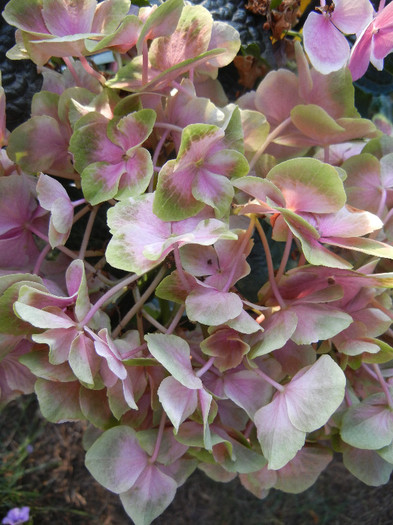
(194, 374)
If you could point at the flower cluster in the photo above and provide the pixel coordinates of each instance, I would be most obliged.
(207, 284)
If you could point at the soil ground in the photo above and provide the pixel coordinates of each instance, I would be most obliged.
(66, 493)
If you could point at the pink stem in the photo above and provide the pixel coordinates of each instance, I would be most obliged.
(326, 154)
(145, 63)
(285, 257)
(69, 253)
(69, 62)
(384, 386)
(78, 202)
(87, 67)
(134, 351)
(272, 135)
(206, 366)
(81, 213)
(249, 427)
(175, 320)
(271, 381)
(159, 438)
(269, 263)
(87, 233)
(103, 299)
(157, 152)
(239, 254)
(41, 259)
(168, 126)
(137, 306)
(179, 267)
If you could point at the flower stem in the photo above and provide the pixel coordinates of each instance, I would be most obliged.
(269, 263)
(137, 306)
(145, 63)
(285, 257)
(159, 438)
(175, 320)
(168, 126)
(69, 62)
(87, 233)
(91, 71)
(270, 138)
(69, 253)
(205, 367)
(271, 381)
(240, 253)
(79, 202)
(384, 386)
(326, 154)
(41, 259)
(139, 321)
(103, 299)
(179, 267)
(80, 214)
(153, 321)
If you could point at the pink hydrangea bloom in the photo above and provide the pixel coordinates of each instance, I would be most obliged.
(324, 41)
(373, 44)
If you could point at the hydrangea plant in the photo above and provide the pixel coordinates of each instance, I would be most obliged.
(151, 321)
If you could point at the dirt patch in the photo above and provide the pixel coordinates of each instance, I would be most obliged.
(67, 494)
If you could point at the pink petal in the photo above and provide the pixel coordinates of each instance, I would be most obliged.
(383, 42)
(384, 19)
(360, 54)
(64, 17)
(326, 47)
(351, 17)
(276, 95)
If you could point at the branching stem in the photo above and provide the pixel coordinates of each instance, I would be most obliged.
(69, 253)
(137, 306)
(110, 293)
